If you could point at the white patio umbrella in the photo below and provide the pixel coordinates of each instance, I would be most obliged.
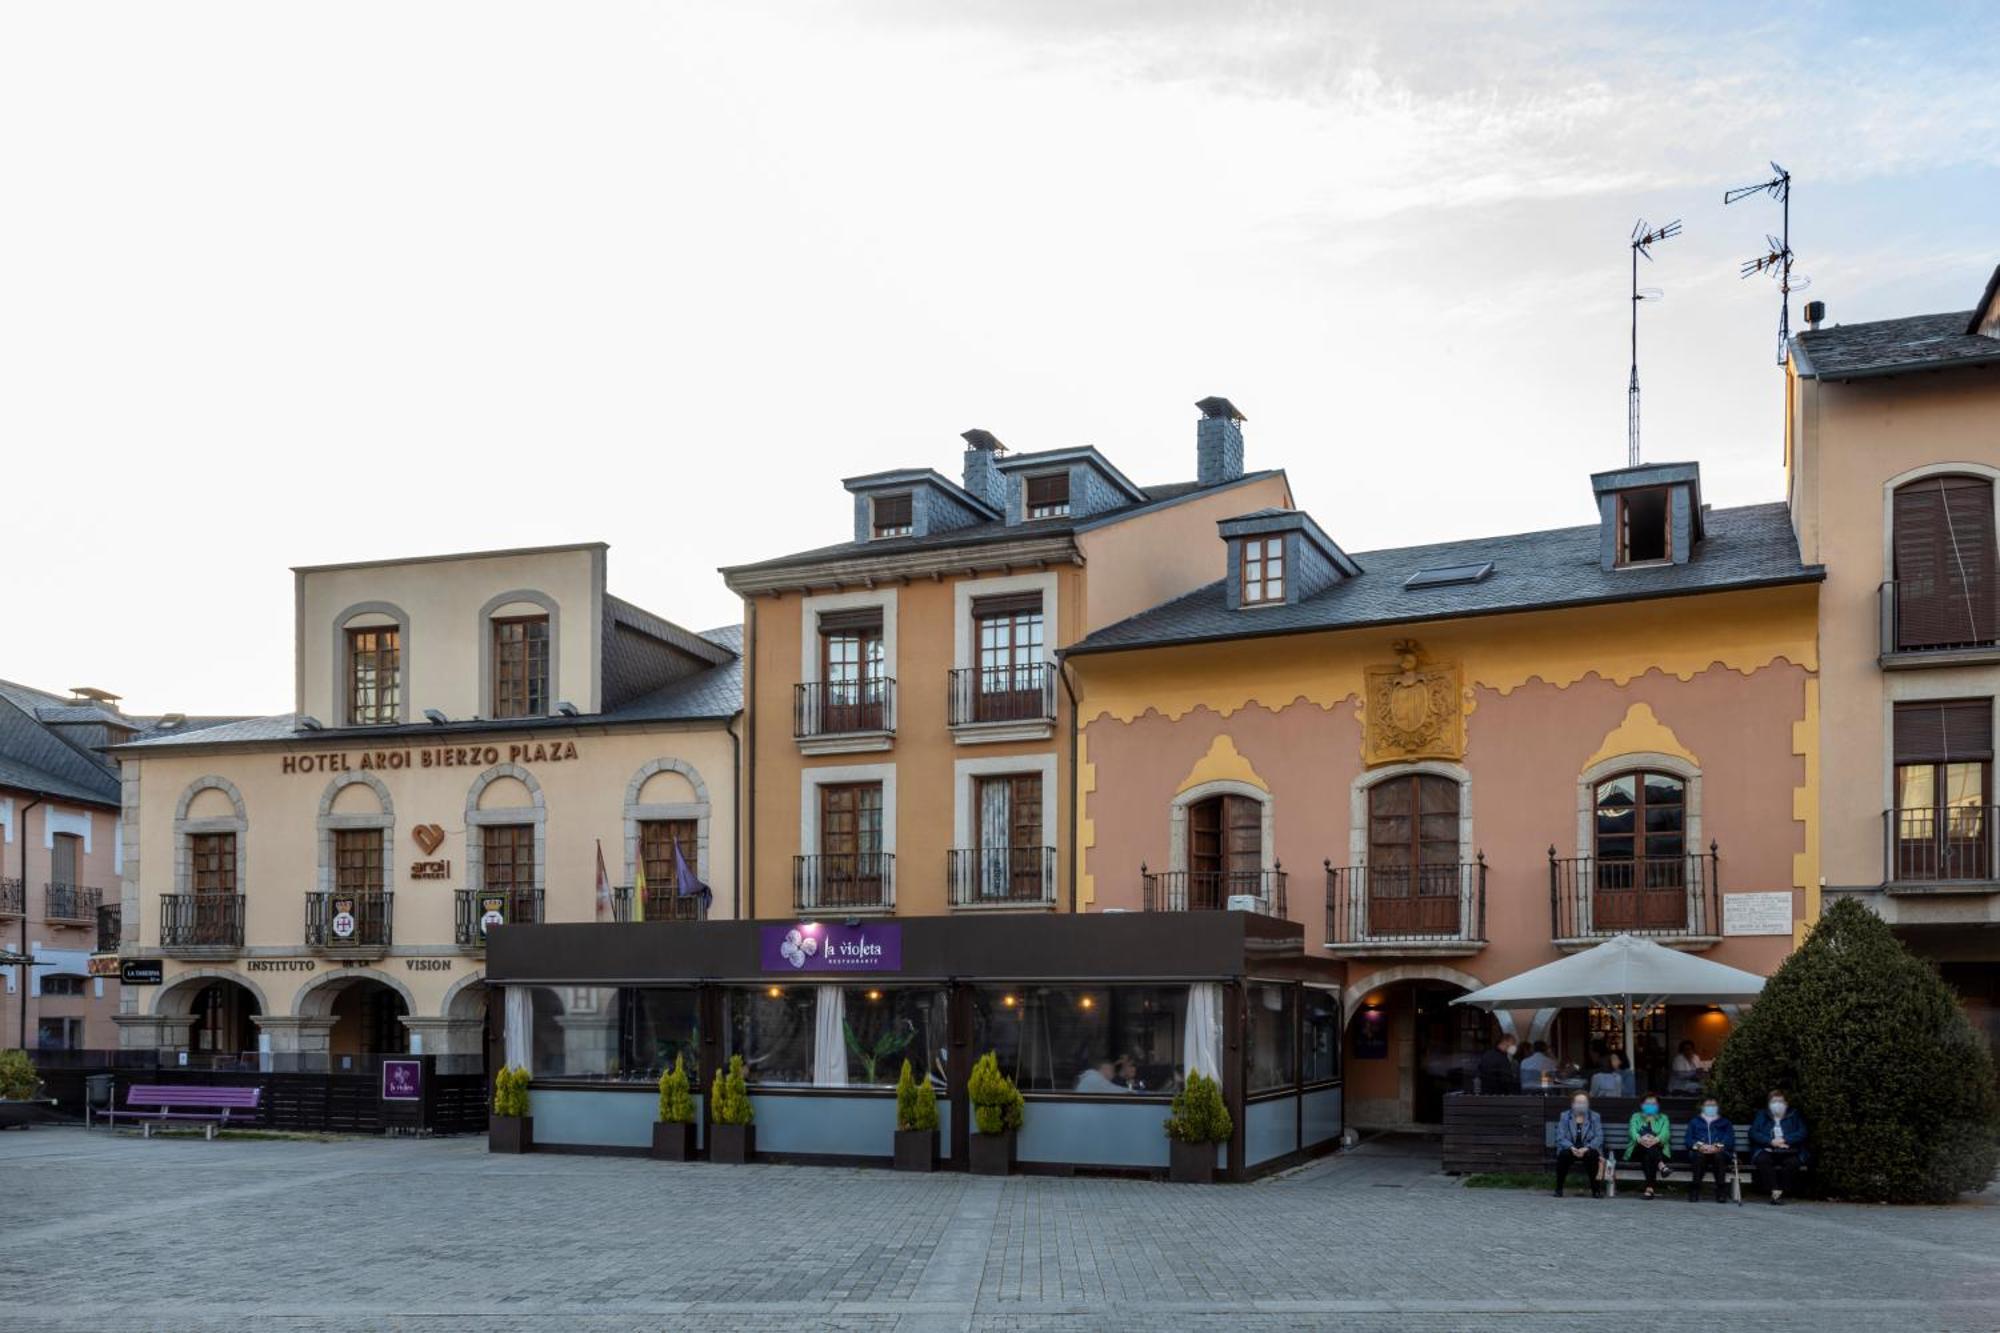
(1626, 973)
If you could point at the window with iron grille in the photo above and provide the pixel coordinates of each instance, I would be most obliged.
(521, 666)
(374, 675)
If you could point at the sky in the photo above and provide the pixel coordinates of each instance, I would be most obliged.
(289, 284)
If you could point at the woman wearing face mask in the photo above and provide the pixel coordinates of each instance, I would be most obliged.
(1579, 1144)
(1610, 1080)
(1711, 1146)
(1649, 1136)
(1777, 1145)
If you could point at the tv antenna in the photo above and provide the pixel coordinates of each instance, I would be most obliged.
(1777, 258)
(1643, 240)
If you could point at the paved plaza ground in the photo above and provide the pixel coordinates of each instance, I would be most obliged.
(100, 1231)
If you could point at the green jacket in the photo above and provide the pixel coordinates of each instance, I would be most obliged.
(1656, 1125)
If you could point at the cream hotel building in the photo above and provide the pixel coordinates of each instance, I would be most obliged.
(470, 733)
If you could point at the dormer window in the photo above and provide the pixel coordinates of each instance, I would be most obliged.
(1048, 496)
(1263, 570)
(892, 515)
(1645, 527)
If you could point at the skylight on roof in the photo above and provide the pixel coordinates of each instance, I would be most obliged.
(1444, 576)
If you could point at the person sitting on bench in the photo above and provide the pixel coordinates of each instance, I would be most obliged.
(1580, 1143)
(1649, 1136)
(1711, 1146)
(1777, 1145)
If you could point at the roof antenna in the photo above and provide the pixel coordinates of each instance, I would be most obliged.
(1643, 238)
(1777, 259)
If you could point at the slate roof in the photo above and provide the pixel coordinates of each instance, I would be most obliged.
(1892, 347)
(1746, 547)
(33, 758)
(981, 534)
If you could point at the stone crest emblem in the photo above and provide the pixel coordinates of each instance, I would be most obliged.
(1413, 709)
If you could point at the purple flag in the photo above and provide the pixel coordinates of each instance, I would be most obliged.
(686, 881)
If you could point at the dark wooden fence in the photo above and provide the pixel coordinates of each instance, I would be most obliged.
(310, 1103)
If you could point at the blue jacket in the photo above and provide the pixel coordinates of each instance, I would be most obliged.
(1793, 1124)
(1718, 1130)
(1559, 1136)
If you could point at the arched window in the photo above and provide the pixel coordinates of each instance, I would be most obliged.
(1639, 846)
(1413, 855)
(1943, 552)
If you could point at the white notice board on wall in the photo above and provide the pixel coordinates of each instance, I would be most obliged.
(1757, 913)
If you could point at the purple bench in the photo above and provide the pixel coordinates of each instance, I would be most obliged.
(154, 1103)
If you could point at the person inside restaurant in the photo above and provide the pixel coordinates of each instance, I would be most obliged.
(1539, 1068)
(1689, 1070)
(1710, 1142)
(1649, 1136)
(1611, 1078)
(1777, 1145)
(1578, 1139)
(1498, 1074)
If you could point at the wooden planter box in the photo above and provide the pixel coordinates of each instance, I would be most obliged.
(916, 1149)
(673, 1142)
(736, 1144)
(991, 1154)
(1190, 1163)
(510, 1133)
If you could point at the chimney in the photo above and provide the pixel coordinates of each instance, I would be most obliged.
(1218, 442)
(982, 470)
(1815, 314)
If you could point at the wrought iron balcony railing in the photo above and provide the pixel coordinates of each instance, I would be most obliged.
(843, 707)
(110, 927)
(201, 921)
(1213, 890)
(13, 900)
(1664, 897)
(1435, 904)
(662, 902)
(1951, 844)
(341, 921)
(981, 695)
(844, 882)
(474, 910)
(1001, 876)
(75, 904)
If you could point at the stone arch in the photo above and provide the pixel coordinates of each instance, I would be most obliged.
(470, 985)
(185, 828)
(383, 822)
(176, 998)
(315, 998)
(535, 814)
(637, 812)
(1357, 804)
(484, 638)
(1177, 818)
(340, 622)
(1351, 998)
(211, 782)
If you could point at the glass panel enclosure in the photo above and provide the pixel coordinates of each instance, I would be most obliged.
(1272, 1014)
(614, 1033)
(882, 1026)
(771, 1027)
(1320, 1060)
(1080, 1038)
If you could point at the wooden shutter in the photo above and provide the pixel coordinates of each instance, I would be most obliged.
(1243, 836)
(1045, 492)
(1946, 732)
(1947, 591)
(858, 618)
(1007, 604)
(892, 511)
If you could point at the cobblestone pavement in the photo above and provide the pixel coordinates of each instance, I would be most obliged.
(100, 1232)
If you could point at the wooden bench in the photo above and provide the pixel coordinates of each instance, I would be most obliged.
(210, 1107)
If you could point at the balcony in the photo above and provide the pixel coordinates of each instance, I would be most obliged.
(1949, 849)
(1260, 891)
(662, 903)
(349, 923)
(201, 925)
(844, 883)
(475, 910)
(844, 716)
(1437, 911)
(1018, 877)
(1014, 703)
(110, 923)
(71, 904)
(1674, 900)
(13, 901)
(1923, 629)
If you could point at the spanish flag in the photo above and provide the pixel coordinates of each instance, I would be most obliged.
(639, 889)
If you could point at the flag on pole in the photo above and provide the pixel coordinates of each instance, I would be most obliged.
(605, 910)
(639, 889)
(689, 883)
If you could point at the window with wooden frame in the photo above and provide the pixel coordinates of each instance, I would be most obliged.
(657, 840)
(65, 860)
(1645, 526)
(892, 515)
(374, 675)
(521, 666)
(1263, 561)
(1010, 639)
(1941, 828)
(507, 858)
(851, 862)
(212, 858)
(1225, 850)
(61, 985)
(853, 663)
(1048, 495)
(1947, 583)
(1009, 810)
(357, 860)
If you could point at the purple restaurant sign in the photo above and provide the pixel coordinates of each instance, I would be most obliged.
(402, 1080)
(819, 946)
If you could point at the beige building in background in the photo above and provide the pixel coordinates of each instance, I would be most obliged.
(470, 733)
(1892, 456)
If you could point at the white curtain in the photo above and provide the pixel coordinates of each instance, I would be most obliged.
(1202, 1052)
(830, 1038)
(520, 1023)
(996, 833)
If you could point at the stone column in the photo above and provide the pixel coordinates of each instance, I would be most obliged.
(296, 1043)
(446, 1036)
(154, 1032)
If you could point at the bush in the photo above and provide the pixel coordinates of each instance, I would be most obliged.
(1895, 1084)
(676, 1102)
(18, 1079)
(729, 1096)
(510, 1092)
(996, 1102)
(916, 1103)
(1199, 1115)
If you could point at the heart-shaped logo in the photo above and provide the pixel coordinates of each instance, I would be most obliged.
(430, 837)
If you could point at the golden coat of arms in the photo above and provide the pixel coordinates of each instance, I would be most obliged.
(1413, 710)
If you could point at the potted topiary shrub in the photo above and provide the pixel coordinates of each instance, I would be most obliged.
(1199, 1122)
(997, 1110)
(916, 1123)
(673, 1132)
(510, 1128)
(731, 1135)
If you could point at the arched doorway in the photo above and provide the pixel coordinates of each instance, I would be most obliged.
(224, 1027)
(367, 1015)
(1408, 1046)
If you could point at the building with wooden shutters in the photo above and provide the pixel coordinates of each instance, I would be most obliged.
(1892, 453)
